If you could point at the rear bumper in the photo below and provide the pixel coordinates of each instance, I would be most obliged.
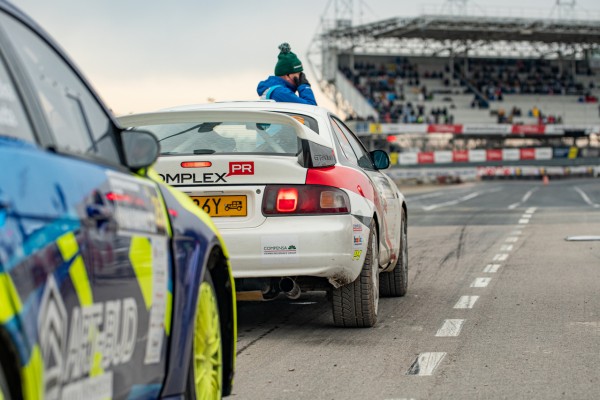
(332, 247)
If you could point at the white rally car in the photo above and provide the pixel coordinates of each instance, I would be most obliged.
(299, 201)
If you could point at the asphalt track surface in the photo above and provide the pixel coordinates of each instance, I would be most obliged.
(500, 306)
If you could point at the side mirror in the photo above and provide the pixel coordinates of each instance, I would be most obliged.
(141, 148)
(380, 159)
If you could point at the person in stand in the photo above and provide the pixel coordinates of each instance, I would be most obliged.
(289, 78)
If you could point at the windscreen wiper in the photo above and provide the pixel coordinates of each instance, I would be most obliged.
(182, 132)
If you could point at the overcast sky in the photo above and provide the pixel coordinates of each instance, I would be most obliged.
(142, 55)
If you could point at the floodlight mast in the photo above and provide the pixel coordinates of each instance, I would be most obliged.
(322, 55)
(564, 9)
(455, 7)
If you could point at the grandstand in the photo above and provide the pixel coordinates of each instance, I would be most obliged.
(444, 90)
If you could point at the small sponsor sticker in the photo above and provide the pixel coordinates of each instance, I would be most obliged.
(357, 254)
(280, 249)
(357, 227)
(358, 241)
(241, 168)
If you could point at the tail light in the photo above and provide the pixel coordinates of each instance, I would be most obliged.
(304, 200)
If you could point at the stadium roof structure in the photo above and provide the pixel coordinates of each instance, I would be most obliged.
(451, 27)
(438, 33)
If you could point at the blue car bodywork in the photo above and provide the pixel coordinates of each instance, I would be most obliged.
(99, 268)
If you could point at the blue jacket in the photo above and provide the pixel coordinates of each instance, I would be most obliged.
(276, 88)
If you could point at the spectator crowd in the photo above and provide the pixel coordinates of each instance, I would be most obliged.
(387, 86)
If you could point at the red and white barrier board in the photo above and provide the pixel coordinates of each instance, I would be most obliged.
(469, 129)
(471, 156)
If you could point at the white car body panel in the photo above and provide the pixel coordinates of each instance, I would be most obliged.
(328, 246)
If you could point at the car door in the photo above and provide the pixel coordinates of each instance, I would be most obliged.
(388, 205)
(98, 230)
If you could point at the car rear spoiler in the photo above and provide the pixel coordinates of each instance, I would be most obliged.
(312, 154)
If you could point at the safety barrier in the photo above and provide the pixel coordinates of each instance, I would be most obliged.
(482, 155)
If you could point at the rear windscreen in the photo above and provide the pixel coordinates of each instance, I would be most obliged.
(225, 137)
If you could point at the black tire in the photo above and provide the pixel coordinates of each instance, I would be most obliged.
(394, 283)
(356, 304)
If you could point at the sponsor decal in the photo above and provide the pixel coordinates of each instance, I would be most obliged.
(493, 154)
(444, 128)
(441, 157)
(191, 178)
(280, 249)
(241, 168)
(425, 157)
(106, 328)
(528, 129)
(358, 241)
(357, 254)
(160, 216)
(156, 323)
(489, 129)
(322, 157)
(460, 156)
(357, 227)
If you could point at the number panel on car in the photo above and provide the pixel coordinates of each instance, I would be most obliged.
(223, 206)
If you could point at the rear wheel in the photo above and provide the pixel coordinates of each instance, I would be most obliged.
(205, 377)
(356, 304)
(395, 282)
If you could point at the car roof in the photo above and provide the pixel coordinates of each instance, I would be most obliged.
(264, 105)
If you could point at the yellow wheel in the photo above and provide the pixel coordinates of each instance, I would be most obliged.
(207, 363)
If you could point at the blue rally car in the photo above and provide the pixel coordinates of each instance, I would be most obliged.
(112, 285)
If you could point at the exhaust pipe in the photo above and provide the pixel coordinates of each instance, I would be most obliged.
(290, 288)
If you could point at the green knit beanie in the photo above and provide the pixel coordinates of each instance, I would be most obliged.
(287, 62)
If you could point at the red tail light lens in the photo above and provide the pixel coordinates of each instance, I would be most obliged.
(287, 200)
(304, 200)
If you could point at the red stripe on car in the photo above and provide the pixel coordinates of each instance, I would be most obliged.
(342, 177)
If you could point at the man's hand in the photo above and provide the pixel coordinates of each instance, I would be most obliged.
(301, 80)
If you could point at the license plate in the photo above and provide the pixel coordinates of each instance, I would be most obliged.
(222, 206)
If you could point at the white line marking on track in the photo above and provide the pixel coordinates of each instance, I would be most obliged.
(531, 210)
(506, 247)
(491, 268)
(451, 327)
(452, 202)
(511, 239)
(466, 302)
(526, 216)
(523, 200)
(585, 197)
(500, 257)
(426, 363)
(481, 282)
(524, 221)
(425, 196)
